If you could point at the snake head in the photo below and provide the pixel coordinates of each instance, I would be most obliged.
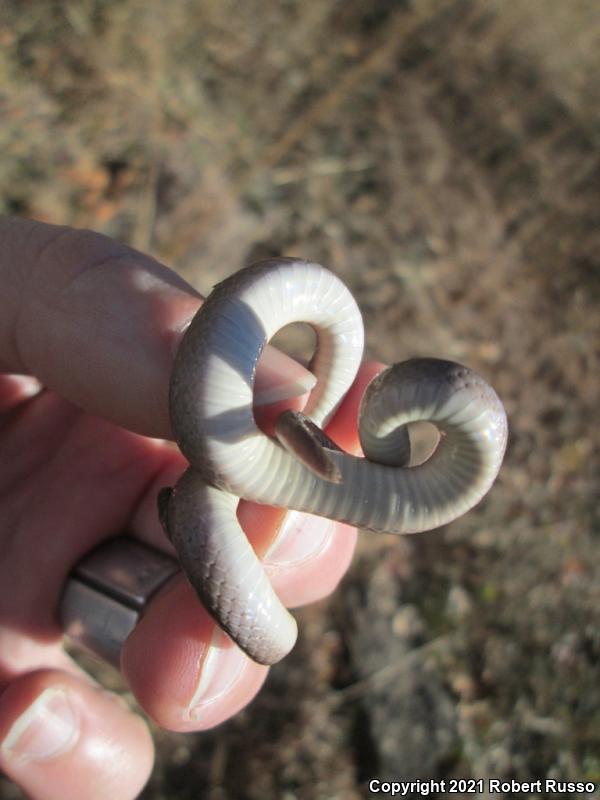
(163, 499)
(309, 444)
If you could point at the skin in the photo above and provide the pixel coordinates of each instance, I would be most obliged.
(97, 324)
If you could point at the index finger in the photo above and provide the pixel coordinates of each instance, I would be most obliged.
(97, 321)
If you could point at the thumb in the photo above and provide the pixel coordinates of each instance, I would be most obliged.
(61, 737)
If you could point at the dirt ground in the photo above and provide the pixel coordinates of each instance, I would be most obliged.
(442, 157)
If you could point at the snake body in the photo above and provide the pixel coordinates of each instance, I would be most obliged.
(211, 399)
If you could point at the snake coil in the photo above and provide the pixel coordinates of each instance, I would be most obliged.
(211, 399)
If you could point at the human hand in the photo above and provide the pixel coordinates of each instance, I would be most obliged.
(97, 324)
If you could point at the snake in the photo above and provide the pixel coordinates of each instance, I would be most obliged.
(300, 467)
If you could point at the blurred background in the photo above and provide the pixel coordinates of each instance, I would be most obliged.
(442, 157)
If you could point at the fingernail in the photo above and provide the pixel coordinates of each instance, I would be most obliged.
(221, 668)
(27, 385)
(47, 729)
(300, 537)
(279, 377)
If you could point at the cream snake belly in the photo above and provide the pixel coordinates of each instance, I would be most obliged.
(211, 400)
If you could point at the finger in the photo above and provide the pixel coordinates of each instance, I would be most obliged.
(305, 555)
(309, 557)
(184, 672)
(62, 737)
(94, 320)
(80, 488)
(343, 428)
(22, 654)
(15, 390)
